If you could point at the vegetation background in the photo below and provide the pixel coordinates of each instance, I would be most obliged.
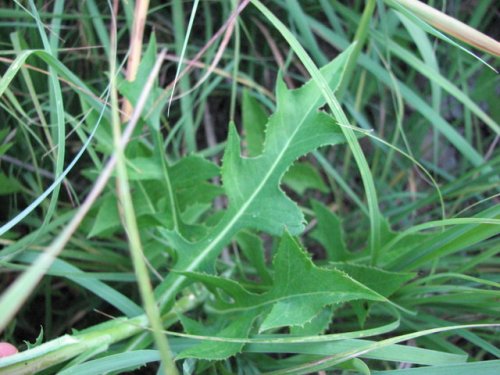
(182, 190)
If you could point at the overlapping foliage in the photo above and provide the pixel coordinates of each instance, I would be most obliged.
(256, 220)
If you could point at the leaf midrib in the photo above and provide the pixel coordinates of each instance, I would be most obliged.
(292, 296)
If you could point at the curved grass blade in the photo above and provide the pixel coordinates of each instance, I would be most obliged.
(108, 294)
(326, 362)
(483, 368)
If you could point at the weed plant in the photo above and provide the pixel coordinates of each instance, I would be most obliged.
(248, 187)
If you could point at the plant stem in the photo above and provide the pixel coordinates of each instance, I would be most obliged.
(360, 38)
(185, 101)
(135, 49)
(66, 347)
(129, 219)
(97, 339)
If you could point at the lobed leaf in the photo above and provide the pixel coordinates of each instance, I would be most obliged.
(299, 292)
(302, 176)
(217, 350)
(252, 184)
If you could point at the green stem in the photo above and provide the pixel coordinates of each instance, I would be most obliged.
(159, 150)
(95, 339)
(132, 230)
(236, 60)
(360, 38)
(66, 347)
(184, 86)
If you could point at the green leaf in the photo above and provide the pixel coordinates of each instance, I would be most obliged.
(487, 83)
(132, 90)
(194, 327)
(299, 292)
(63, 269)
(302, 289)
(393, 353)
(329, 232)
(114, 363)
(417, 249)
(303, 176)
(8, 185)
(191, 169)
(5, 147)
(318, 325)
(252, 184)
(107, 218)
(253, 249)
(189, 177)
(254, 123)
(217, 350)
(3, 133)
(38, 340)
(484, 368)
(355, 364)
(383, 282)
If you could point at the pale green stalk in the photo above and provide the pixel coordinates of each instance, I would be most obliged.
(452, 26)
(96, 339)
(360, 38)
(129, 219)
(180, 46)
(236, 60)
